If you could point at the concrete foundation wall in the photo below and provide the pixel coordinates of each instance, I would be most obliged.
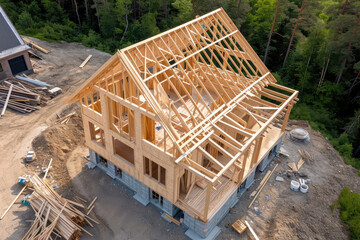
(200, 228)
(203, 229)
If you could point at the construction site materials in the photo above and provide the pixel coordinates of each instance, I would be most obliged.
(36, 46)
(299, 134)
(85, 61)
(294, 185)
(30, 156)
(239, 226)
(24, 179)
(47, 169)
(300, 163)
(7, 101)
(55, 91)
(6, 211)
(251, 231)
(65, 119)
(23, 94)
(303, 187)
(33, 81)
(262, 186)
(305, 155)
(170, 218)
(92, 202)
(65, 220)
(279, 179)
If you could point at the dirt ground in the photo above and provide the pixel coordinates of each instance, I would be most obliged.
(278, 212)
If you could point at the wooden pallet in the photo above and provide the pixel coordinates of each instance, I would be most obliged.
(239, 226)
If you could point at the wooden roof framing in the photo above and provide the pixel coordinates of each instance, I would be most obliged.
(214, 75)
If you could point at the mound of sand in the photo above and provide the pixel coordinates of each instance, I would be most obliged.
(57, 142)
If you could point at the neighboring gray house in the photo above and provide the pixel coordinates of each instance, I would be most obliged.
(14, 56)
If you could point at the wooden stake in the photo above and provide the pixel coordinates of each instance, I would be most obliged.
(13, 202)
(47, 170)
(92, 203)
(7, 101)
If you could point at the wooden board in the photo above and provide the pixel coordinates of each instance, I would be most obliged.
(85, 61)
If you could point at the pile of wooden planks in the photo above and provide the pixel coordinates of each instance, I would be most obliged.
(22, 96)
(54, 215)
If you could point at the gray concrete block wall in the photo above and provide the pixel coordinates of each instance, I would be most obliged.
(93, 157)
(268, 158)
(250, 179)
(203, 229)
(241, 190)
(111, 170)
(169, 208)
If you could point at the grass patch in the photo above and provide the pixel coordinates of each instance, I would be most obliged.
(349, 205)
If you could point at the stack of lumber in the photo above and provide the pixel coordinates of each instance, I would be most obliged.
(24, 96)
(55, 215)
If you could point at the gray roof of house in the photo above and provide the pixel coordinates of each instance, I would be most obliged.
(9, 37)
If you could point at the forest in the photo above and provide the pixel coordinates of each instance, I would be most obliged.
(310, 45)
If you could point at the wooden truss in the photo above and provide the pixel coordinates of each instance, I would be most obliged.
(206, 87)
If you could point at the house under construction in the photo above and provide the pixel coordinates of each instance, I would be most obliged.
(185, 118)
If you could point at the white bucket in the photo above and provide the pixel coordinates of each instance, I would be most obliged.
(304, 188)
(294, 185)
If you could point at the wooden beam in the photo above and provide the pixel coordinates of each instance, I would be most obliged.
(242, 132)
(85, 61)
(7, 100)
(220, 149)
(211, 158)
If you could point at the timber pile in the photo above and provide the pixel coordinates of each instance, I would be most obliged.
(24, 96)
(54, 214)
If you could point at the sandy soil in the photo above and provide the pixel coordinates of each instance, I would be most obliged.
(283, 214)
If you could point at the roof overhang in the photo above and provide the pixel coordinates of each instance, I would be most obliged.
(12, 51)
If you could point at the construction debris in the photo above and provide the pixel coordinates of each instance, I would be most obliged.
(263, 184)
(65, 119)
(305, 155)
(24, 179)
(85, 61)
(239, 226)
(251, 231)
(170, 218)
(30, 156)
(12, 203)
(24, 94)
(300, 134)
(279, 179)
(65, 220)
(36, 46)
